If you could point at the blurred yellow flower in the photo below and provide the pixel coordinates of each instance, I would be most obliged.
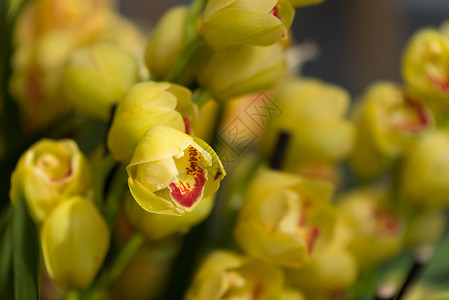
(245, 22)
(314, 114)
(243, 70)
(97, 77)
(75, 240)
(171, 172)
(47, 173)
(378, 232)
(167, 41)
(145, 105)
(425, 175)
(226, 275)
(284, 218)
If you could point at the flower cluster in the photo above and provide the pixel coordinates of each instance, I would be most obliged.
(318, 198)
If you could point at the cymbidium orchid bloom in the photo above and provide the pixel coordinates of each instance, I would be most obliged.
(75, 240)
(425, 64)
(47, 173)
(314, 114)
(171, 172)
(389, 122)
(243, 70)
(145, 105)
(167, 41)
(157, 226)
(246, 22)
(425, 175)
(331, 271)
(378, 232)
(226, 275)
(97, 77)
(284, 218)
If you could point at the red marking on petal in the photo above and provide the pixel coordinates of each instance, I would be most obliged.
(275, 12)
(184, 194)
(311, 237)
(442, 85)
(257, 292)
(187, 125)
(386, 223)
(422, 118)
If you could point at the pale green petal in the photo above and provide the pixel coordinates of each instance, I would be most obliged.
(158, 143)
(149, 201)
(236, 27)
(128, 128)
(156, 175)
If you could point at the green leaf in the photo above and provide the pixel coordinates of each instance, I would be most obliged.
(6, 289)
(25, 253)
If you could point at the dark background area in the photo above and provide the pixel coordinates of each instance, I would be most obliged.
(359, 41)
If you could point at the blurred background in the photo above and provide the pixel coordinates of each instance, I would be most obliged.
(359, 41)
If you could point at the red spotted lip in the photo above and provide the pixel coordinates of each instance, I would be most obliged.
(422, 122)
(185, 194)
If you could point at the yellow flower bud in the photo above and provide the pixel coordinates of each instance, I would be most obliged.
(425, 176)
(75, 240)
(47, 173)
(97, 77)
(157, 226)
(313, 112)
(243, 70)
(167, 41)
(225, 275)
(244, 22)
(171, 172)
(378, 233)
(284, 218)
(425, 62)
(145, 105)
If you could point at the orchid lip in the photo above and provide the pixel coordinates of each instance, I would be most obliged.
(423, 119)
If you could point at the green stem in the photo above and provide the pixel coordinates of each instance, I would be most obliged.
(123, 258)
(105, 168)
(202, 97)
(194, 13)
(115, 195)
(187, 55)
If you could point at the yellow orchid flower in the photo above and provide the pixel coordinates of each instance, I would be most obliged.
(284, 218)
(227, 275)
(145, 105)
(47, 173)
(378, 232)
(171, 172)
(244, 22)
(75, 240)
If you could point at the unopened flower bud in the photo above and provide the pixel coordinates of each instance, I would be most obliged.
(75, 240)
(284, 218)
(243, 22)
(47, 173)
(145, 105)
(243, 70)
(167, 41)
(171, 172)
(97, 77)
(425, 176)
